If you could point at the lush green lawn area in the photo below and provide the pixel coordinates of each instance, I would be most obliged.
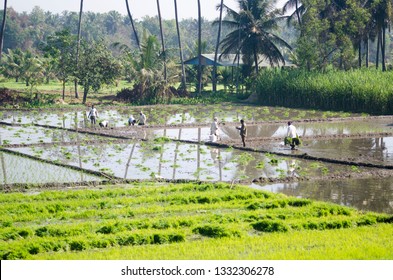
(186, 221)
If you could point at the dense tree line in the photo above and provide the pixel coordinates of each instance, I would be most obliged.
(318, 35)
(27, 30)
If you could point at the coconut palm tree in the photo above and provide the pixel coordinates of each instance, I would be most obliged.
(162, 38)
(183, 72)
(3, 28)
(78, 46)
(133, 26)
(297, 8)
(217, 46)
(252, 33)
(382, 14)
(199, 48)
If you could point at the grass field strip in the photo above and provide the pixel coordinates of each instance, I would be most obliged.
(55, 222)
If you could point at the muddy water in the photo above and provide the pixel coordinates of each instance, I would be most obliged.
(19, 170)
(365, 194)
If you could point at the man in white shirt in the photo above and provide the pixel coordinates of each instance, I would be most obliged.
(292, 133)
(93, 115)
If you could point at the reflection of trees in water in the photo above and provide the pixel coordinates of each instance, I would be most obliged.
(365, 194)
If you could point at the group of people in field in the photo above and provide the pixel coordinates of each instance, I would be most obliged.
(292, 137)
(93, 116)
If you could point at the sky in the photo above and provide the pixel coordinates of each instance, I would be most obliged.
(139, 8)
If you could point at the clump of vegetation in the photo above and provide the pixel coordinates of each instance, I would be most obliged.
(270, 226)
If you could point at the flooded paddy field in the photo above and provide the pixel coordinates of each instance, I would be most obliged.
(181, 161)
(61, 146)
(30, 134)
(163, 115)
(21, 170)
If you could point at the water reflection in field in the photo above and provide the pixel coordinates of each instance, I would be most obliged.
(164, 115)
(374, 194)
(20, 170)
(146, 160)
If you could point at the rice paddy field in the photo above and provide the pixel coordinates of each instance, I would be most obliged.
(73, 190)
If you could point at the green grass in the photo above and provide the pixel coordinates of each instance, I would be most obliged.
(185, 221)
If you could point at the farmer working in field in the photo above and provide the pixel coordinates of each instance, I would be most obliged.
(103, 124)
(93, 115)
(243, 131)
(292, 138)
(142, 118)
(131, 120)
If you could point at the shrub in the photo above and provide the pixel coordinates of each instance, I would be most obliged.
(212, 231)
(299, 202)
(78, 245)
(270, 226)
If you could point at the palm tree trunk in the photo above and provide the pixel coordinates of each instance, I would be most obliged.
(256, 62)
(133, 26)
(367, 51)
(383, 48)
(199, 48)
(3, 28)
(360, 53)
(162, 38)
(216, 52)
(378, 43)
(183, 72)
(77, 47)
(297, 13)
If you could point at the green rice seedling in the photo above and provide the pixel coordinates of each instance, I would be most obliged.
(162, 139)
(355, 168)
(273, 161)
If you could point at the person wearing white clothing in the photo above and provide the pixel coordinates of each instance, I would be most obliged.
(93, 115)
(142, 119)
(103, 123)
(292, 133)
(131, 120)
